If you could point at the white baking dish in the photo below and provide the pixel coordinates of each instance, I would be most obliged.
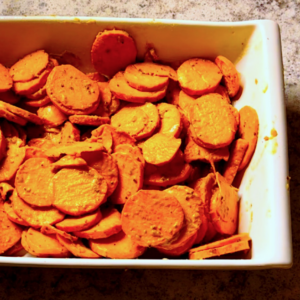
(255, 48)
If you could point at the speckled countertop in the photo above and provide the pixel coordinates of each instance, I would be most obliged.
(31, 283)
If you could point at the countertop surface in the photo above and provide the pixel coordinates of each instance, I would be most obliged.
(34, 283)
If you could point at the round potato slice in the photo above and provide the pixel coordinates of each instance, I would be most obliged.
(72, 224)
(213, 124)
(78, 191)
(105, 166)
(160, 149)
(191, 204)
(198, 76)
(112, 51)
(8, 207)
(43, 245)
(109, 225)
(170, 119)
(118, 246)
(174, 172)
(152, 218)
(138, 120)
(5, 79)
(11, 162)
(230, 75)
(145, 80)
(10, 233)
(29, 66)
(77, 248)
(51, 115)
(35, 216)
(72, 91)
(122, 90)
(34, 182)
(131, 174)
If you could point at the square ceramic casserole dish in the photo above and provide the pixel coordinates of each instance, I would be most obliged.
(254, 47)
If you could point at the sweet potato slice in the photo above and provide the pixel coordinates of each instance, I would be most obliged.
(19, 112)
(109, 225)
(32, 86)
(131, 174)
(144, 77)
(230, 248)
(10, 233)
(34, 182)
(33, 152)
(78, 191)
(35, 216)
(3, 144)
(72, 224)
(103, 136)
(4, 113)
(202, 230)
(230, 75)
(224, 207)
(9, 97)
(118, 137)
(14, 158)
(77, 248)
(118, 246)
(160, 149)
(49, 229)
(205, 187)
(105, 166)
(237, 149)
(69, 133)
(51, 115)
(198, 76)
(221, 90)
(210, 233)
(39, 94)
(95, 76)
(6, 81)
(185, 101)
(14, 250)
(38, 103)
(30, 66)
(43, 245)
(152, 218)
(122, 90)
(248, 130)
(223, 242)
(75, 148)
(194, 152)
(173, 91)
(191, 205)
(5, 190)
(174, 172)
(170, 120)
(130, 119)
(213, 124)
(109, 104)
(68, 161)
(138, 120)
(134, 151)
(40, 143)
(8, 208)
(89, 120)
(112, 51)
(72, 91)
